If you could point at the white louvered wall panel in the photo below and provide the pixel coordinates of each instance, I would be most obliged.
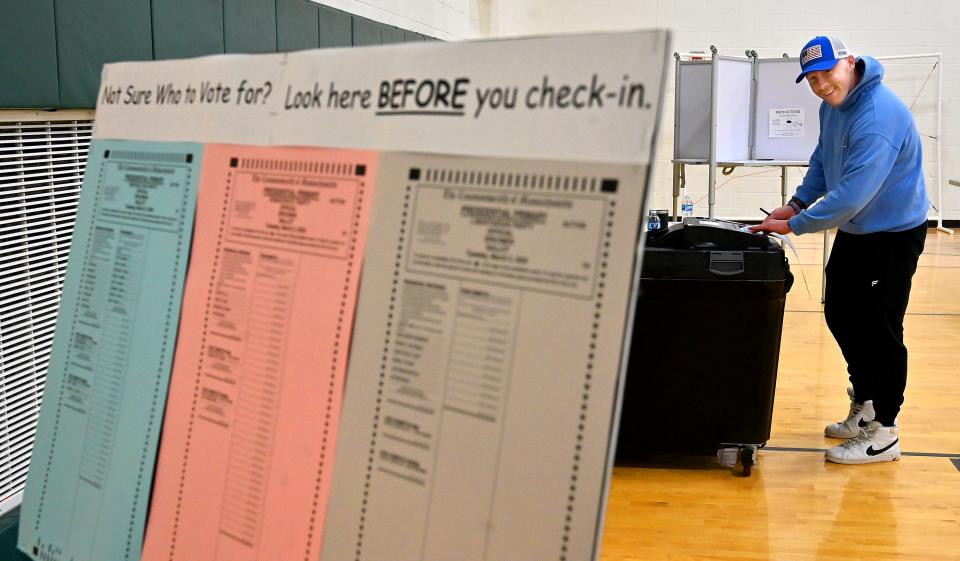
(41, 169)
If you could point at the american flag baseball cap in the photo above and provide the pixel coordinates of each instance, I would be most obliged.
(821, 53)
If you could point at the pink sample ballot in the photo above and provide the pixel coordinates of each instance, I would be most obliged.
(247, 447)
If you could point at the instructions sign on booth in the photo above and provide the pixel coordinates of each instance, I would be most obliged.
(786, 123)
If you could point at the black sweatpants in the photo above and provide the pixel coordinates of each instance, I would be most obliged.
(868, 286)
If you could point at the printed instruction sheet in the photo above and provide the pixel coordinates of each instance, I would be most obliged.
(786, 122)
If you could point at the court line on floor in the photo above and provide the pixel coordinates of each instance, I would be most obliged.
(908, 313)
(952, 457)
(819, 266)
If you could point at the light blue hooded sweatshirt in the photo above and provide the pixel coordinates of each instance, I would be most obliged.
(867, 164)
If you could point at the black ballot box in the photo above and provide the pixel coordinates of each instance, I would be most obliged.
(703, 359)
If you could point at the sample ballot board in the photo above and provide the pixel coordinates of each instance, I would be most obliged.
(375, 301)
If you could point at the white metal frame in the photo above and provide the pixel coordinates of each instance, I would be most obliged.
(939, 64)
(42, 153)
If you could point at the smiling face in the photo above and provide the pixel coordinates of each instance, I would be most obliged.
(833, 86)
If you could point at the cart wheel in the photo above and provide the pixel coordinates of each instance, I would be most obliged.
(746, 459)
(729, 456)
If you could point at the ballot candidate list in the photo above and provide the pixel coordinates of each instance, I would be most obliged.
(93, 461)
(251, 426)
(497, 361)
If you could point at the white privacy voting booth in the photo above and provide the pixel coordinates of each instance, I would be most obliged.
(734, 111)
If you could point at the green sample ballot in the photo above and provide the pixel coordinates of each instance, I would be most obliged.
(92, 466)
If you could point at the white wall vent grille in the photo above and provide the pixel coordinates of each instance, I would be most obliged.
(41, 170)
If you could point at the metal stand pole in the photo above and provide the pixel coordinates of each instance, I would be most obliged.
(783, 185)
(940, 225)
(823, 273)
(676, 190)
(712, 188)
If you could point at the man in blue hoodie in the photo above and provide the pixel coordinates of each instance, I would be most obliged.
(867, 169)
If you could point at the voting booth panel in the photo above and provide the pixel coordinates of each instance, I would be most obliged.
(733, 85)
(693, 123)
(786, 113)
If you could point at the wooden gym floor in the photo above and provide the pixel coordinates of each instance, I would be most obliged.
(795, 506)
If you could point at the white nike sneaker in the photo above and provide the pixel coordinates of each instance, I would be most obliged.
(875, 443)
(857, 418)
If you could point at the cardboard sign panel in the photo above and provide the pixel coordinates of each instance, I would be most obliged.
(485, 365)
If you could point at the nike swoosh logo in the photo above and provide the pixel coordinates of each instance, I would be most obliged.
(861, 423)
(872, 452)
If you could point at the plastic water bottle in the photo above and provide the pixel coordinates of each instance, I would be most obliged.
(686, 205)
(653, 221)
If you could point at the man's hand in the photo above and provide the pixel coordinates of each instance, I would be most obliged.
(783, 213)
(772, 224)
(776, 221)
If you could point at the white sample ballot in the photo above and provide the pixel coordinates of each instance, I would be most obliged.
(484, 373)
